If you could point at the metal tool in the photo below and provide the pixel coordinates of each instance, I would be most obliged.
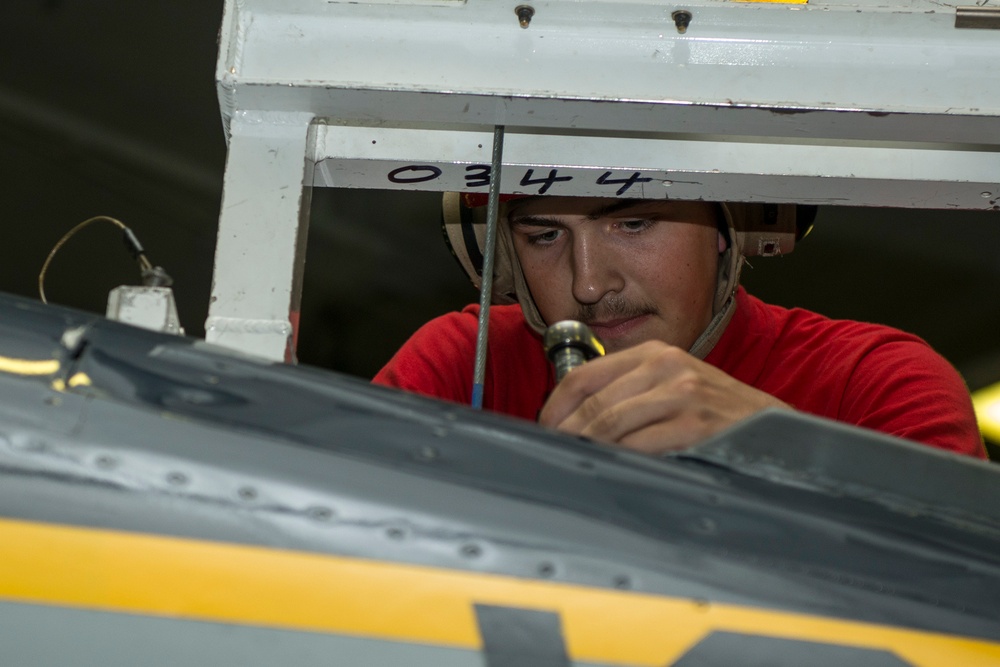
(569, 344)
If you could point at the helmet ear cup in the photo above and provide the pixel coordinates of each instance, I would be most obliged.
(765, 230)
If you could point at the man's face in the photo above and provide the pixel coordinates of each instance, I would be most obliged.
(633, 270)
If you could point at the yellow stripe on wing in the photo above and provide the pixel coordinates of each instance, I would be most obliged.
(221, 582)
(28, 366)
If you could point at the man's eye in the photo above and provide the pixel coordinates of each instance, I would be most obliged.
(543, 238)
(635, 225)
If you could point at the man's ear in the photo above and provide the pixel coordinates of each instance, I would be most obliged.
(722, 243)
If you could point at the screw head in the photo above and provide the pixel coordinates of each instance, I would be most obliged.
(177, 478)
(524, 14)
(682, 19)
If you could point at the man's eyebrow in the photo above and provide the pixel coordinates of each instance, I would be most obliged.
(615, 207)
(596, 214)
(534, 221)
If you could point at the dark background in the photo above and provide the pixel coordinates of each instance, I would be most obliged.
(109, 107)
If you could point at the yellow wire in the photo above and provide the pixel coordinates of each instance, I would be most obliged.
(66, 237)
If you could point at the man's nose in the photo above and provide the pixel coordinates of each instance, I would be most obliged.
(596, 270)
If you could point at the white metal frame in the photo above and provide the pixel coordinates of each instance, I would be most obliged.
(867, 103)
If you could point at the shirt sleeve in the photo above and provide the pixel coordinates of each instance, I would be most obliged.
(904, 388)
(437, 360)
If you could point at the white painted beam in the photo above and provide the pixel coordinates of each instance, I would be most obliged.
(260, 252)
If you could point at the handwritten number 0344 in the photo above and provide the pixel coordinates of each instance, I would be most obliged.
(478, 176)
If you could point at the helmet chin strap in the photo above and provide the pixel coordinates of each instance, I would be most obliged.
(730, 265)
(717, 325)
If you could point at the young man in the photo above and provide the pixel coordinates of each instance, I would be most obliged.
(690, 352)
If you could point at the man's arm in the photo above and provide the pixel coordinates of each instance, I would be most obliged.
(436, 361)
(905, 389)
(655, 398)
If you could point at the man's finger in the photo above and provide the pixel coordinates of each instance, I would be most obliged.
(619, 420)
(655, 360)
(582, 383)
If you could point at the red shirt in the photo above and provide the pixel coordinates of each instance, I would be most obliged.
(862, 374)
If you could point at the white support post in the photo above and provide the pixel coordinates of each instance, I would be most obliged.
(260, 252)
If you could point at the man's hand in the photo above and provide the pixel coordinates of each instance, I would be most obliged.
(651, 398)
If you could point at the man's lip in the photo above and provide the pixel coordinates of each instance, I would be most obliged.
(615, 328)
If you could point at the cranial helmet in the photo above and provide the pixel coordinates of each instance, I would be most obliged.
(753, 230)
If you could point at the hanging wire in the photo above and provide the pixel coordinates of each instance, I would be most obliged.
(131, 242)
(489, 252)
